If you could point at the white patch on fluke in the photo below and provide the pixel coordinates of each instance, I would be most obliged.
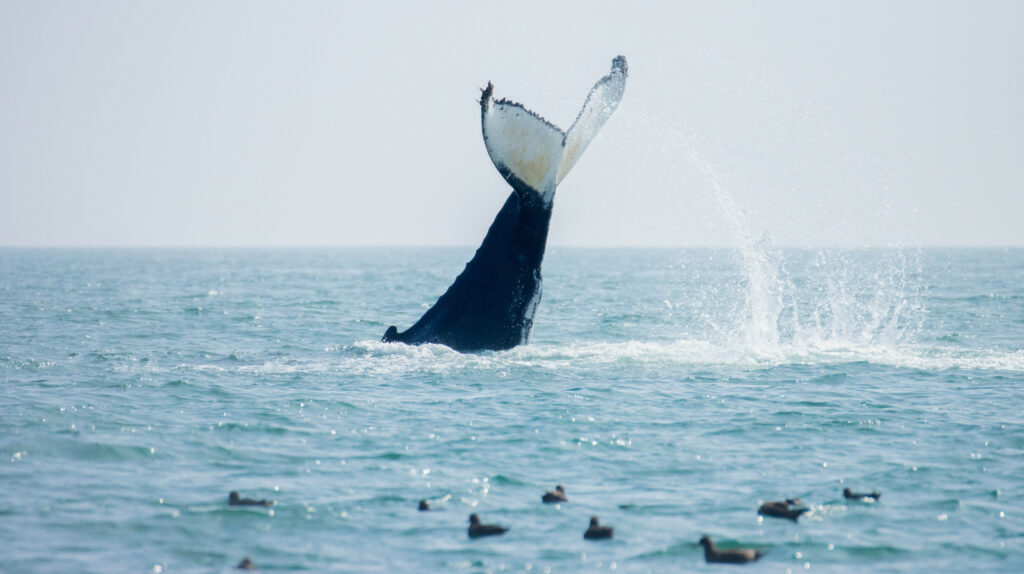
(523, 144)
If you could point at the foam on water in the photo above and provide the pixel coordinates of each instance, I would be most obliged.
(373, 358)
(380, 358)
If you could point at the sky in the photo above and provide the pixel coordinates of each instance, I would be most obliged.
(354, 123)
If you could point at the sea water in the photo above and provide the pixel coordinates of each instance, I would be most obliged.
(671, 392)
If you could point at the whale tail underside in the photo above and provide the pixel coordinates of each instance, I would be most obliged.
(531, 151)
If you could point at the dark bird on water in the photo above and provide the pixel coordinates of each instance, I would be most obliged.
(246, 564)
(789, 508)
(476, 529)
(235, 499)
(861, 495)
(731, 556)
(424, 505)
(556, 495)
(598, 532)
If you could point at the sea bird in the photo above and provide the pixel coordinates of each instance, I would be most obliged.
(861, 495)
(789, 508)
(731, 556)
(424, 505)
(556, 495)
(476, 529)
(598, 532)
(235, 499)
(246, 564)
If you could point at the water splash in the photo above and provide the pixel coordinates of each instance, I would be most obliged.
(839, 298)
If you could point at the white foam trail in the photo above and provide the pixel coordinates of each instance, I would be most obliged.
(373, 358)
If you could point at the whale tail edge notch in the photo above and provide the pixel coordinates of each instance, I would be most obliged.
(491, 304)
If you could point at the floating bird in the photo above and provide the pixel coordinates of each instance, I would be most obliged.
(424, 505)
(598, 532)
(246, 564)
(476, 529)
(556, 495)
(235, 499)
(789, 508)
(731, 556)
(861, 495)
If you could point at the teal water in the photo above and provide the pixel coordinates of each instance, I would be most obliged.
(670, 391)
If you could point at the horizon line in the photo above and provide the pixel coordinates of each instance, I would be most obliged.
(473, 246)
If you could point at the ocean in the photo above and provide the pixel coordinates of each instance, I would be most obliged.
(671, 391)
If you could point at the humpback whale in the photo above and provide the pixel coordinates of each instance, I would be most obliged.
(491, 304)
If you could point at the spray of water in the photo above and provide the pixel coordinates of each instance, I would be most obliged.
(761, 265)
(838, 298)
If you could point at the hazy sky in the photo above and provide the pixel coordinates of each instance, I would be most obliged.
(356, 123)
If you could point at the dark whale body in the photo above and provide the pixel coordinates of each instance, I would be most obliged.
(491, 304)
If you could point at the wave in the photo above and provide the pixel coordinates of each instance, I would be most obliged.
(373, 358)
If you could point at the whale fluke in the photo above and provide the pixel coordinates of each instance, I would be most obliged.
(491, 304)
(533, 152)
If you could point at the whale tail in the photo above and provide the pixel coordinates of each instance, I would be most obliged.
(491, 304)
(530, 151)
